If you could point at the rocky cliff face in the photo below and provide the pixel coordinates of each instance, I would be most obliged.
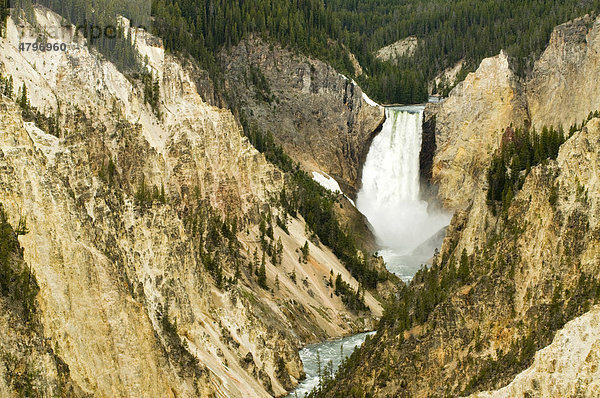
(402, 48)
(560, 92)
(30, 363)
(501, 287)
(319, 117)
(469, 128)
(562, 89)
(553, 239)
(132, 299)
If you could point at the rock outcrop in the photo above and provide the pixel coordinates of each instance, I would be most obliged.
(402, 48)
(563, 88)
(469, 128)
(131, 300)
(319, 116)
(560, 92)
(523, 276)
(446, 79)
(428, 150)
(30, 365)
(553, 259)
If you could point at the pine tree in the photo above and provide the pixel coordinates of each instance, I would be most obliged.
(155, 94)
(111, 171)
(23, 100)
(463, 268)
(338, 285)
(238, 273)
(8, 90)
(279, 251)
(162, 197)
(305, 251)
(254, 263)
(143, 195)
(262, 276)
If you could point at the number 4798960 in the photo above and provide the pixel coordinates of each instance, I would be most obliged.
(42, 47)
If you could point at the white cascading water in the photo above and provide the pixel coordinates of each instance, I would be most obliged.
(390, 193)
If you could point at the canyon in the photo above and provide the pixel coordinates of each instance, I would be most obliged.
(153, 250)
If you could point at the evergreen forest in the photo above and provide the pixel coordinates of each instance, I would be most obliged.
(448, 32)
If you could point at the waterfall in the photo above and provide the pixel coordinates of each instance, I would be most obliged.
(390, 192)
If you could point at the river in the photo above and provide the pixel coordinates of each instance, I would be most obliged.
(334, 351)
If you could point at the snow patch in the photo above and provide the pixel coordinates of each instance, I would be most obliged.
(329, 183)
(369, 100)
